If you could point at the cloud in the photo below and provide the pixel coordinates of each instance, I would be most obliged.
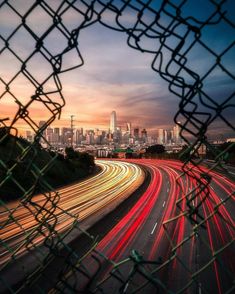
(114, 76)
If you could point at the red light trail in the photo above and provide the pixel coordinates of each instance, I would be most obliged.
(156, 227)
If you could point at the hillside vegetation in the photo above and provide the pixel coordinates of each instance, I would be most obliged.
(21, 165)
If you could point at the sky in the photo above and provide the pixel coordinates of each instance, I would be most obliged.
(114, 76)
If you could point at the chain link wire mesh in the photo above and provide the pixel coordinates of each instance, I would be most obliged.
(172, 32)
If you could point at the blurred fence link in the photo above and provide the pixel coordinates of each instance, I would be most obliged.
(197, 67)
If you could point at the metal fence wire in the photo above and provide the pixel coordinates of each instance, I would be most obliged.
(171, 32)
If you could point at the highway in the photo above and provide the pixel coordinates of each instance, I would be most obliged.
(26, 225)
(184, 257)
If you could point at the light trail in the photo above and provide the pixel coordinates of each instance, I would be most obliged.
(91, 197)
(170, 231)
(158, 225)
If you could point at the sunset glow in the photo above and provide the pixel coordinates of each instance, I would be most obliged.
(113, 77)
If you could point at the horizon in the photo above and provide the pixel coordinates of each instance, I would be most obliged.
(153, 132)
(114, 76)
(88, 207)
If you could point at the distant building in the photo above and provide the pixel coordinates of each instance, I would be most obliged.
(109, 137)
(56, 136)
(113, 122)
(90, 137)
(171, 136)
(144, 135)
(49, 134)
(136, 133)
(102, 153)
(165, 140)
(176, 134)
(118, 135)
(128, 128)
(150, 140)
(131, 141)
(160, 136)
(66, 136)
(42, 125)
(29, 136)
(232, 140)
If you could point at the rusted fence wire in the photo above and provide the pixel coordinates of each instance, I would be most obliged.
(199, 70)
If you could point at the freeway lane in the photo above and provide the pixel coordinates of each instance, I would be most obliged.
(184, 256)
(87, 200)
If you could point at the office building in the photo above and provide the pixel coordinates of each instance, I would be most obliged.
(113, 122)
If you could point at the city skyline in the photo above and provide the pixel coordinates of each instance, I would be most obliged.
(115, 133)
(113, 124)
(160, 134)
(120, 78)
(117, 146)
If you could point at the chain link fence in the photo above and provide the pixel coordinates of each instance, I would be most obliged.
(179, 35)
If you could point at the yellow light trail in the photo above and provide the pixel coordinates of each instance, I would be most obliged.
(92, 197)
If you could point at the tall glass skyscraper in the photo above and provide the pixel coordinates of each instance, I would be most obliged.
(113, 122)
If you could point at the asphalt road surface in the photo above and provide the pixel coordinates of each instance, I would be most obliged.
(158, 246)
(22, 223)
(174, 254)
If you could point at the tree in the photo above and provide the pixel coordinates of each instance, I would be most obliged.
(129, 152)
(71, 154)
(155, 149)
(228, 149)
(87, 159)
(184, 153)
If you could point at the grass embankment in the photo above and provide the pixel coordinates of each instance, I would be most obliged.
(21, 163)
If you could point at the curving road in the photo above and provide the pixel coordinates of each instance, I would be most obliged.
(87, 200)
(157, 228)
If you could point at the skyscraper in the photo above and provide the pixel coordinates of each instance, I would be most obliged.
(176, 131)
(144, 135)
(42, 125)
(128, 128)
(160, 136)
(113, 122)
(136, 133)
(166, 136)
